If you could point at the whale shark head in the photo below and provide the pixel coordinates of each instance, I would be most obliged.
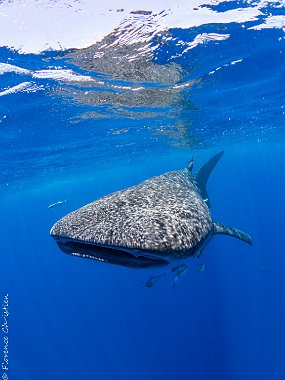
(112, 255)
(161, 220)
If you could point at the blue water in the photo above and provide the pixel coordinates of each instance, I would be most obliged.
(72, 318)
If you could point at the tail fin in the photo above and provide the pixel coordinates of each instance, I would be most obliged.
(202, 175)
(221, 229)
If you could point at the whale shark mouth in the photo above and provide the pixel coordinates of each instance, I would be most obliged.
(112, 255)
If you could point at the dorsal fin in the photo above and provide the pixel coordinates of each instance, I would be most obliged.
(202, 175)
(221, 229)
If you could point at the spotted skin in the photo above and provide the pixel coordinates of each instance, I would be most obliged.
(164, 213)
(157, 222)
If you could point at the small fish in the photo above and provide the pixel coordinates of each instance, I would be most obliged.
(180, 270)
(152, 280)
(59, 203)
(200, 268)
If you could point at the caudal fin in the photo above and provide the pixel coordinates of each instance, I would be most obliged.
(221, 229)
(202, 175)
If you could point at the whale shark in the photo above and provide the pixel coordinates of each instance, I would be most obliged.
(163, 220)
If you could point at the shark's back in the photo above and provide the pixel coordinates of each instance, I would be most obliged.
(164, 213)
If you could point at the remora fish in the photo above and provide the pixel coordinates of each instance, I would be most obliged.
(153, 279)
(162, 220)
(179, 271)
(59, 203)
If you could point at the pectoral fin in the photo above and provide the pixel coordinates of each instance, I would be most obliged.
(221, 229)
